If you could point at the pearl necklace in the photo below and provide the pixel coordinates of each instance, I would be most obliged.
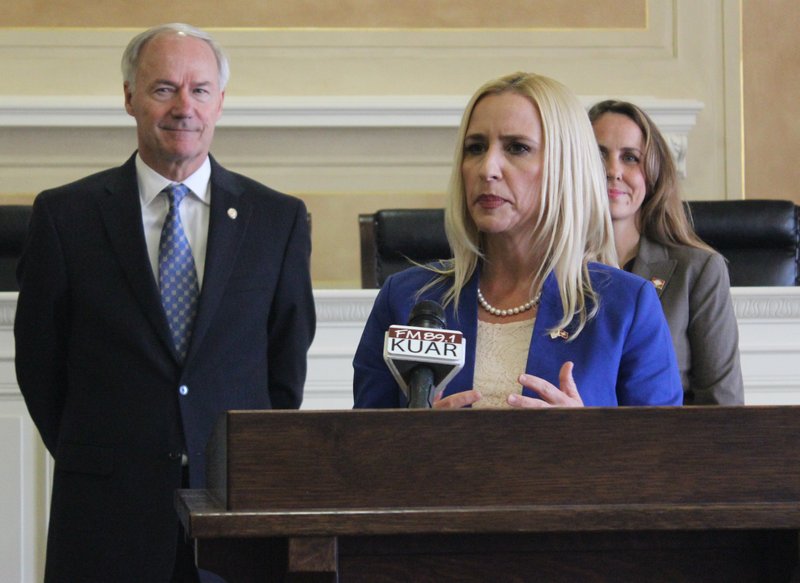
(511, 311)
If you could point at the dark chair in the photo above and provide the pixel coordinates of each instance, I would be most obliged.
(14, 221)
(391, 238)
(759, 238)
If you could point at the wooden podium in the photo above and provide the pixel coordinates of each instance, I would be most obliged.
(629, 494)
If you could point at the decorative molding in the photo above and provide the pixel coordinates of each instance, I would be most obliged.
(767, 304)
(777, 304)
(678, 145)
(343, 306)
(8, 308)
(247, 112)
(675, 117)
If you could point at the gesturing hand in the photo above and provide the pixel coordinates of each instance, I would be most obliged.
(565, 396)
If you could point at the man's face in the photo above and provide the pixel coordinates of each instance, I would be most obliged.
(176, 101)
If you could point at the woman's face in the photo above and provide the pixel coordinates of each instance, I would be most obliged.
(622, 147)
(502, 165)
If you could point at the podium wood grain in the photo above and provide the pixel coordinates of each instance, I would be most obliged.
(657, 494)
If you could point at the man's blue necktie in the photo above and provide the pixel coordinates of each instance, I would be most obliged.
(177, 276)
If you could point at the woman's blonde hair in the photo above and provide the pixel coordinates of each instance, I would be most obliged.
(573, 225)
(662, 217)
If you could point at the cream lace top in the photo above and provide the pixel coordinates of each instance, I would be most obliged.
(501, 353)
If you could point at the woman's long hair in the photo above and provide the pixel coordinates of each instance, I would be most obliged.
(662, 217)
(573, 225)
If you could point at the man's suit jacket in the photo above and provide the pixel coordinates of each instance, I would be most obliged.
(98, 370)
(623, 356)
(694, 288)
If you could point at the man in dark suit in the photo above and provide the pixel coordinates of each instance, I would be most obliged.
(124, 365)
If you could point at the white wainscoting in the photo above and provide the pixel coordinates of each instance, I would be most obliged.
(769, 327)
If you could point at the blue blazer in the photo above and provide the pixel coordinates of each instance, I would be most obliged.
(623, 356)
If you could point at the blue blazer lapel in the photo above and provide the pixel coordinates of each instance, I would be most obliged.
(121, 211)
(543, 343)
(550, 350)
(230, 215)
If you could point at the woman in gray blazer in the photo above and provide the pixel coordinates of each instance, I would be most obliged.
(655, 239)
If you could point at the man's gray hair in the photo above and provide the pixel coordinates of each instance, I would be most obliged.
(130, 58)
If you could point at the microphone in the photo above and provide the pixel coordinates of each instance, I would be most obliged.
(423, 356)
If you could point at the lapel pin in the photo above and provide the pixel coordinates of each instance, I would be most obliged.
(232, 213)
(559, 334)
(658, 282)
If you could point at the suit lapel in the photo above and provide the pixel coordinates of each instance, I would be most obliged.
(653, 264)
(122, 214)
(230, 215)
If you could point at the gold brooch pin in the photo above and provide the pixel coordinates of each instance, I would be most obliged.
(658, 282)
(559, 334)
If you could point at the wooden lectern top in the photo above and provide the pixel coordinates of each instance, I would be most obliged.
(403, 459)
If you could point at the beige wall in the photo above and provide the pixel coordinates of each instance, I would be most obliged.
(331, 14)
(679, 50)
(771, 64)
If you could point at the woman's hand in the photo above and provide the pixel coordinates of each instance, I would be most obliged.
(457, 400)
(565, 396)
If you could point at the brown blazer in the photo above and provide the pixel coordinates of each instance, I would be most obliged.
(694, 288)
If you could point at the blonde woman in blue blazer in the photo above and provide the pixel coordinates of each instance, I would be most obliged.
(654, 239)
(547, 321)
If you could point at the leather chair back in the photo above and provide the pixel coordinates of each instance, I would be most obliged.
(391, 239)
(759, 238)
